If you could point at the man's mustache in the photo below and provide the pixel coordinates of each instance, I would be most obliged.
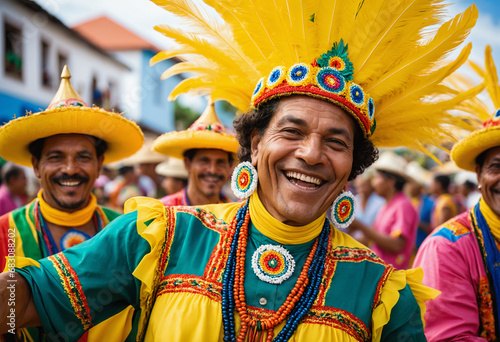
(68, 178)
(211, 175)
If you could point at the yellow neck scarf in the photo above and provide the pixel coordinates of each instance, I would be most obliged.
(278, 231)
(491, 218)
(65, 219)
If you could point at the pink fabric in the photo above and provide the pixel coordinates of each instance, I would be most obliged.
(8, 201)
(397, 218)
(452, 264)
(179, 198)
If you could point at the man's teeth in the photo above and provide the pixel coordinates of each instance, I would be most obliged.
(304, 178)
(70, 183)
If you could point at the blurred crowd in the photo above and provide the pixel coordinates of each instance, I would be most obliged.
(436, 194)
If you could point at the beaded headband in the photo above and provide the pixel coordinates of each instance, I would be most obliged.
(329, 77)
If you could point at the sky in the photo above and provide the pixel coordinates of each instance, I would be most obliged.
(141, 16)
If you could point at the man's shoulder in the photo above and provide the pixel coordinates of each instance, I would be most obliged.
(174, 199)
(454, 229)
(110, 213)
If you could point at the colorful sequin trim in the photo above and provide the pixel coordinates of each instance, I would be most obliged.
(339, 319)
(159, 271)
(72, 288)
(67, 103)
(215, 127)
(181, 283)
(207, 218)
(486, 313)
(329, 76)
(356, 255)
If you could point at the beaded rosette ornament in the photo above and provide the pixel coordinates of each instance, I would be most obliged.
(272, 264)
(244, 180)
(343, 210)
(72, 238)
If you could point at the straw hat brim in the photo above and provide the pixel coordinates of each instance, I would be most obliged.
(123, 136)
(465, 152)
(174, 144)
(398, 173)
(169, 169)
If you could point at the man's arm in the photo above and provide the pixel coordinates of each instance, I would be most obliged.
(17, 309)
(389, 243)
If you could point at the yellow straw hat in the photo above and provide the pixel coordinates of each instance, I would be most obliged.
(68, 114)
(145, 155)
(207, 132)
(392, 163)
(465, 152)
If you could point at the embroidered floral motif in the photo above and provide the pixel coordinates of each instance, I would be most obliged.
(457, 228)
(356, 255)
(181, 283)
(486, 310)
(202, 126)
(339, 319)
(72, 288)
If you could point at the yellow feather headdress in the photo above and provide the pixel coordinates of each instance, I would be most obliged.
(394, 47)
(465, 152)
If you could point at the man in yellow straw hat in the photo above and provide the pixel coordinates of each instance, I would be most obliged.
(207, 150)
(461, 257)
(67, 145)
(272, 267)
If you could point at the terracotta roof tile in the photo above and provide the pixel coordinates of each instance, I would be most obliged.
(109, 35)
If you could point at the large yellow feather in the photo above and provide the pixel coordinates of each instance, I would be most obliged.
(396, 34)
(446, 39)
(396, 47)
(419, 86)
(492, 78)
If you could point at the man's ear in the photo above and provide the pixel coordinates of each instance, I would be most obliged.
(478, 173)
(254, 146)
(100, 161)
(34, 162)
(187, 164)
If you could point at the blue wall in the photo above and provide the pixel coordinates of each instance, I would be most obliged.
(11, 107)
(156, 111)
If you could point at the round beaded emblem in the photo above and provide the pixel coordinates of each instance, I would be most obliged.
(272, 264)
(343, 210)
(73, 237)
(244, 180)
(330, 80)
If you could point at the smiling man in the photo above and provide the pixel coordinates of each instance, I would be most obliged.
(67, 150)
(208, 153)
(461, 257)
(270, 268)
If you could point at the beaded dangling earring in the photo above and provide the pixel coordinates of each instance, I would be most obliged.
(244, 180)
(343, 210)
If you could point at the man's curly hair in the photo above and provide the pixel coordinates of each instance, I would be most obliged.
(364, 154)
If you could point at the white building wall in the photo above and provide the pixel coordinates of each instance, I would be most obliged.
(84, 61)
(131, 90)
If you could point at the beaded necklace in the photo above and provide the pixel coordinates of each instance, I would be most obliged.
(295, 307)
(41, 225)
